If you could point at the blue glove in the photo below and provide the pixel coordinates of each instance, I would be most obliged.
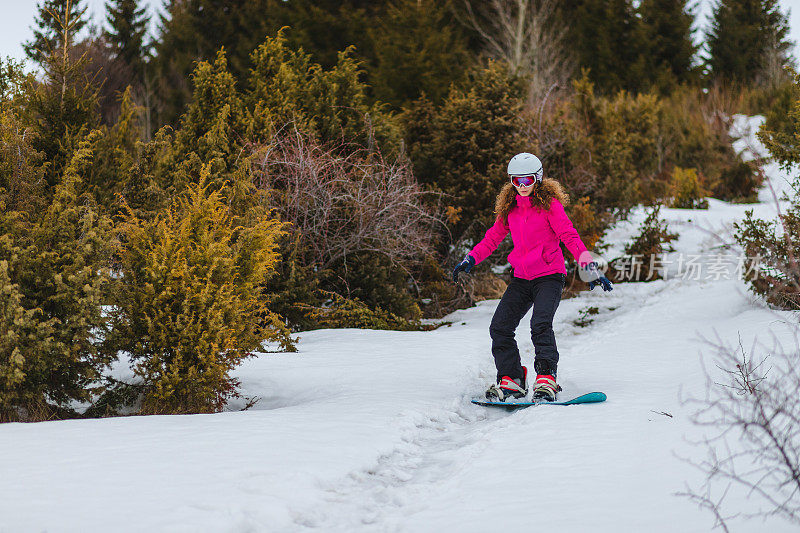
(599, 279)
(465, 265)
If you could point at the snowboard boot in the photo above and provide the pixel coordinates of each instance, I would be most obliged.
(508, 387)
(545, 388)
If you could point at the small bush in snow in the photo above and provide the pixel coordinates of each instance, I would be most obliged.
(687, 189)
(773, 256)
(647, 248)
(189, 306)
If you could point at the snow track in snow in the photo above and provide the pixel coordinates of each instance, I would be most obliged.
(432, 448)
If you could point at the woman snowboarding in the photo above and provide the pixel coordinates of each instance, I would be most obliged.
(532, 210)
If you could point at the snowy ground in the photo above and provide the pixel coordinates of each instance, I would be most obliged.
(373, 430)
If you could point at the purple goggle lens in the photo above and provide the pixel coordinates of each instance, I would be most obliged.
(522, 181)
(526, 181)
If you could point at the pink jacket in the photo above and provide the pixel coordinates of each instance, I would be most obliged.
(536, 234)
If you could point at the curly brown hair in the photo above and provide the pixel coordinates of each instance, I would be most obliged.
(540, 197)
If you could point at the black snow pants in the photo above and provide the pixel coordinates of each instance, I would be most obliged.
(544, 294)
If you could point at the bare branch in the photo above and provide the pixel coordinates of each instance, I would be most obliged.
(343, 201)
(756, 417)
(526, 35)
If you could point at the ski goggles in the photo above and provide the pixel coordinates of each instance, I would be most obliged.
(526, 181)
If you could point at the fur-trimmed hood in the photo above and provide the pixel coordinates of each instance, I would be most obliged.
(540, 197)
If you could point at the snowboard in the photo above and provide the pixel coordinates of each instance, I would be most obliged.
(591, 397)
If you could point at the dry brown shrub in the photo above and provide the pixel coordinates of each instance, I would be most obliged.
(343, 201)
(485, 286)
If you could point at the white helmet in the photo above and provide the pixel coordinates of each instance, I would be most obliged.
(525, 164)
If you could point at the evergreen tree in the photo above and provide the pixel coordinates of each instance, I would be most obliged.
(331, 104)
(22, 168)
(53, 270)
(56, 19)
(63, 108)
(417, 50)
(747, 42)
(127, 29)
(607, 41)
(115, 152)
(669, 49)
(325, 27)
(194, 30)
(212, 132)
(461, 147)
(215, 112)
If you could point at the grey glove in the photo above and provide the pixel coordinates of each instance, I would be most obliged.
(597, 278)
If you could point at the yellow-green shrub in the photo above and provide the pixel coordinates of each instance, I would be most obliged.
(188, 301)
(53, 274)
(687, 189)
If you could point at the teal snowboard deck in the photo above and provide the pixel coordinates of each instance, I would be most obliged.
(591, 397)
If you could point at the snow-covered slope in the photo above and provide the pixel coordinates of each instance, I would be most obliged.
(373, 430)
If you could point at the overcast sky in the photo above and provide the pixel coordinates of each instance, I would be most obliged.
(17, 16)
